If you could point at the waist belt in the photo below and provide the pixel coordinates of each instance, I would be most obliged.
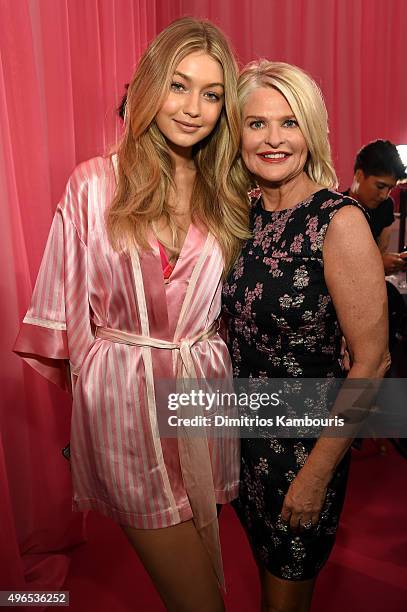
(183, 346)
(193, 451)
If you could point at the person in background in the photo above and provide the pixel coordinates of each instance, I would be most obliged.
(377, 170)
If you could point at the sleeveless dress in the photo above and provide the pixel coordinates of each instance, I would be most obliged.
(282, 324)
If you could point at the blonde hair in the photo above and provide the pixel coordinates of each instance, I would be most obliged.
(145, 173)
(307, 104)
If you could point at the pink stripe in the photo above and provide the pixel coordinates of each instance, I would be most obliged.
(116, 466)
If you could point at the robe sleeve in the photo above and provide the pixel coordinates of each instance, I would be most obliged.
(56, 332)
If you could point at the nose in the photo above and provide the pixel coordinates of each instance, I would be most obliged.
(192, 104)
(274, 136)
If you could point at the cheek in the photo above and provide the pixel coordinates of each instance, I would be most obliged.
(249, 159)
(212, 115)
(250, 143)
(303, 147)
(245, 158)
(169, 107)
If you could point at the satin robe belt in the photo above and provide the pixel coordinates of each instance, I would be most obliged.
(194, 453)
(183, 346)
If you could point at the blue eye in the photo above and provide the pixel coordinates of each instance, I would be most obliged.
(177, 87)
(212, 96)
(290, 123)
(257, 124)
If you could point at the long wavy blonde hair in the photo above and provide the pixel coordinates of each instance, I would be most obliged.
(145, 173)
(307, 104)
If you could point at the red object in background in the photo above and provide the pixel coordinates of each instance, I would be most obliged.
(395, 194)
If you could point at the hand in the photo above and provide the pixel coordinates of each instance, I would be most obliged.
(394, 262)
(346, 360)
(304, 500)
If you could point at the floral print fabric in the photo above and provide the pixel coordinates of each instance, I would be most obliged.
(281, 324)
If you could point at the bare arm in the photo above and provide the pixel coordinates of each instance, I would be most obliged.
(355, 280)
(354, 277)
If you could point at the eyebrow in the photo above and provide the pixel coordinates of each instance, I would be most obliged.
(187, 78)
(262, 117)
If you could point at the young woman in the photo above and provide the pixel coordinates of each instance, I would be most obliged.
(128, 294)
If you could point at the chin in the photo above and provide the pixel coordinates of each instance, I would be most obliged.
(186, 141)
(274, 178)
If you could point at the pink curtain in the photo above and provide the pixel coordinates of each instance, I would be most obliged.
(63, 65)
(62, 73)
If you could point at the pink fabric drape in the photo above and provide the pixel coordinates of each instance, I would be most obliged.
(62, 70)
(63, 64)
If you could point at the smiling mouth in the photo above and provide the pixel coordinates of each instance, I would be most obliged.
(187, 126)
(270, 157)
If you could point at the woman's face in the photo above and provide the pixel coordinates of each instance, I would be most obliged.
(273, 147)
(194, 102)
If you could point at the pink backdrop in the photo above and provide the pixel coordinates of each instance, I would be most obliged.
(63, 64)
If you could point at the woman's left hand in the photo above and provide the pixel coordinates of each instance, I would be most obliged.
(304, 500)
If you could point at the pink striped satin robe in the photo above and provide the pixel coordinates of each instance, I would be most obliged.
(120, 466)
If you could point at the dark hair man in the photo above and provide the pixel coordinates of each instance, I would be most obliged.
(377, 170)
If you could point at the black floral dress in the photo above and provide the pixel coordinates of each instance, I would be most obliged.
(282, 323)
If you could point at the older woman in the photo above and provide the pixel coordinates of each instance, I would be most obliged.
(310, 274)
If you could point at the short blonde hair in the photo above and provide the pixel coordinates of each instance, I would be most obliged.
(307, 104)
